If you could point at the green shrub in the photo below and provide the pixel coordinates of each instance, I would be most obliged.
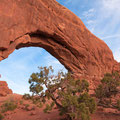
(8, 106)
(70, 96)
(108, 86)
(118, 105)
(1, 117)
(26, 106)
(26, 96)
(108, 89)
(21, 102)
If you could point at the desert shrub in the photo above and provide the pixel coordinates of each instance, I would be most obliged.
(1, 117)
(108, 86)
(118, 105)
(26, 106)
(8, 106)
(107, 89)
(26, 96)
(70, 96)
(21, 102)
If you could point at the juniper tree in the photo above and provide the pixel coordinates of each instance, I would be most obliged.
(70, 96)
(107, 89)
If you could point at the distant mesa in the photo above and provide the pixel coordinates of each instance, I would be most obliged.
(4, 90)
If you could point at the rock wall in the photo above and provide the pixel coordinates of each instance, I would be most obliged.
(4, 90)
(47, 24)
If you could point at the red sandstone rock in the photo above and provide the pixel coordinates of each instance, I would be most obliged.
(4, 90)
(47, 24)
(3, 83)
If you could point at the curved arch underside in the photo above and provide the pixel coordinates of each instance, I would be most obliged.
(47, 24)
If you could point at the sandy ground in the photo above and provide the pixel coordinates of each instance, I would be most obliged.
(36, 113)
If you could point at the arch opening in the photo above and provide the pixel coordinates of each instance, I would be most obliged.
(18, 67)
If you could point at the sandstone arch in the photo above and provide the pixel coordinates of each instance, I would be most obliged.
(47, 24)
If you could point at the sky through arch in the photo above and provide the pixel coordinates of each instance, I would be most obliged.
(18, 67)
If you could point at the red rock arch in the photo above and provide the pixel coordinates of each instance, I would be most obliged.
(47, 24)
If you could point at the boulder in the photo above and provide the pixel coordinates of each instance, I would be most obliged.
(4, 90)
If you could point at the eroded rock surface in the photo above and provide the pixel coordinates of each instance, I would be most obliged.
(47, 24)
(4, 90)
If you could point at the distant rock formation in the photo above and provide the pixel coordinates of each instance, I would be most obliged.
(47, 24)
(4, 90)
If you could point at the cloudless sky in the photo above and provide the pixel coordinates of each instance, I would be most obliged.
(101, 17)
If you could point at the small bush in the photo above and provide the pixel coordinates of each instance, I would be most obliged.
(8, 106)
(107, 90)
(108, 86)
(26, 96)
(21, 102)
(26, 106)
(118, 105)
(1, 117)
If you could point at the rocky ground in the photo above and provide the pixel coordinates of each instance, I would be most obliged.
(26, 110)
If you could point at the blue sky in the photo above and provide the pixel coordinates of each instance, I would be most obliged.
(102, 17)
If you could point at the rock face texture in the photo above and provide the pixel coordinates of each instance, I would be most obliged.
(47, 24)
(4, 90)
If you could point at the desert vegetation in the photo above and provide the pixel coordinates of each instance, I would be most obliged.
(8, 105)
(107, 90)
(61, 93)
(1, 116)
(69, 96)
